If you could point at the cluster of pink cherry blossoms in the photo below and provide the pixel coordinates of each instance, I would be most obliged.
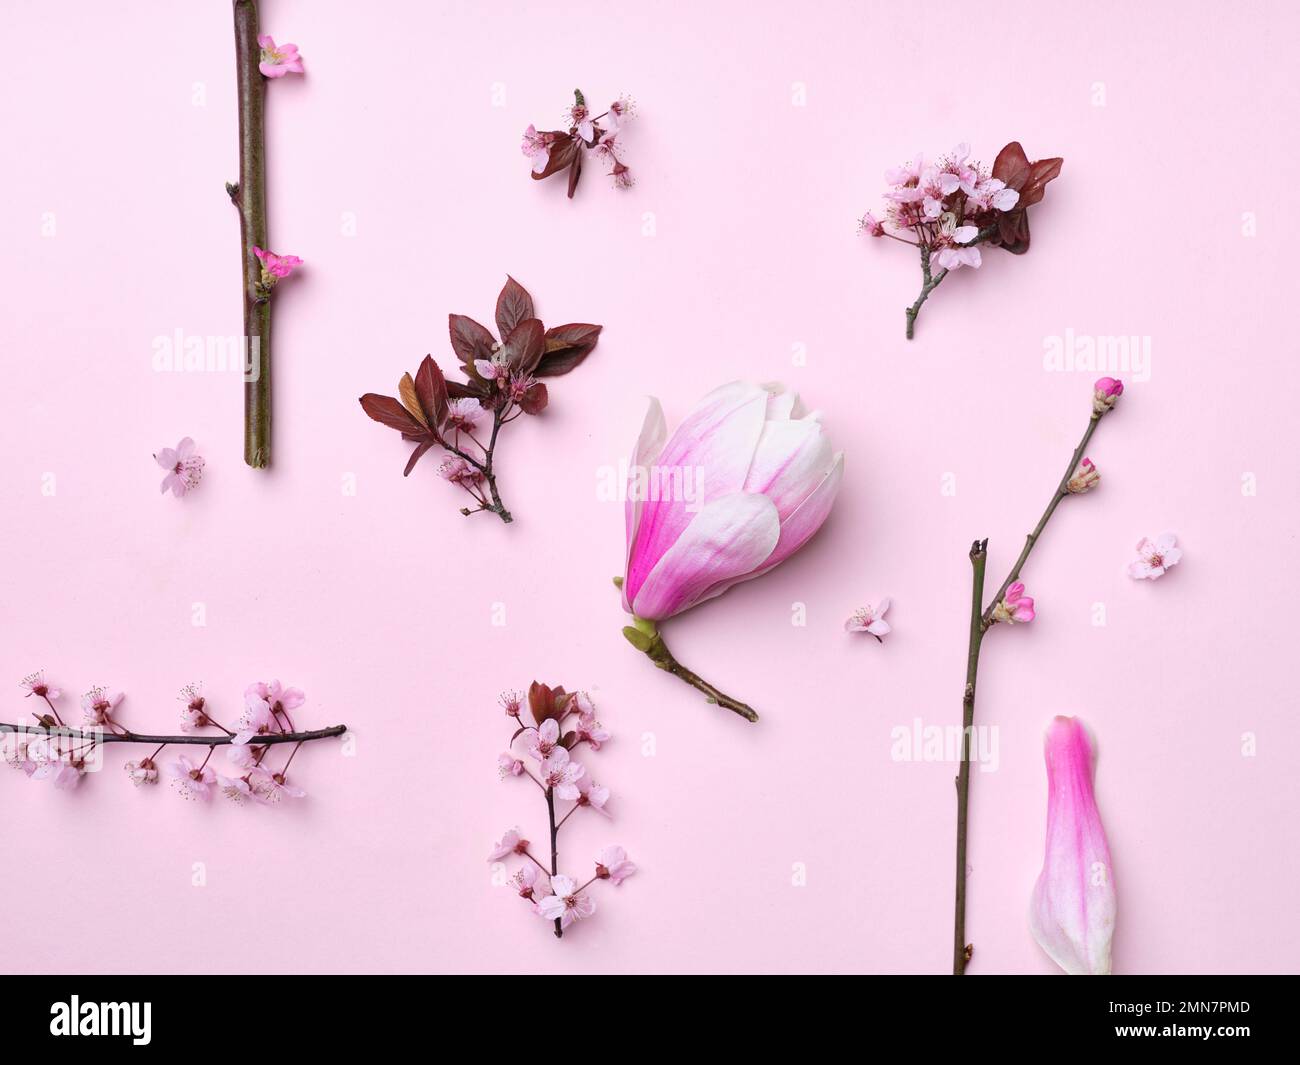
(562, 721)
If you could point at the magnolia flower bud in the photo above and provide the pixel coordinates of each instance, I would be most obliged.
(1015, 606)
(1105, 392)
(1072, 911)
(1085, 478)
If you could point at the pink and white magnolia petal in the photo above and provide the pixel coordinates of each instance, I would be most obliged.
(649, 443)
(717, 439)
(791, 456)
(727, 541)
(1072, 910)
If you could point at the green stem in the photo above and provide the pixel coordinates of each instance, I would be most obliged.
(645, 636)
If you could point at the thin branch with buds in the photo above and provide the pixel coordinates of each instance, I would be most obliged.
(981, 619)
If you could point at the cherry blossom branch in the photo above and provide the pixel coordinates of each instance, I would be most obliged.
(249, 196)
(126, 736)
(1005, 606)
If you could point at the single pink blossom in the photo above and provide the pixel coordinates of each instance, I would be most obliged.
(278, 60)
(97, 706)
(524, 880)
(559, 773)
(511, 843)
(1155, 557)
(580, 118)
(275, 267)
(270, 788)
(950, 247)
(1072, 911)
(541, 741)
(870, 620)
(1015, 606)
(1105, 392)
(612, 865)
(762, 478)
(622, 177)
(871, 225)
(537, 147)
(1085, 478)
(456, 470)
(66, 775)
(244, 755)
(590, 730)
(591, 794)
(509, 766)
(620, 112)
(191, 781)
(184, 468)
(566, 902)
(905, 175)
(194, 716)
(608, 149)
(20, 753)
(275, 699)
(512, 702)
(464, 415)
(145, 771)
(236, 789)
(35, 685)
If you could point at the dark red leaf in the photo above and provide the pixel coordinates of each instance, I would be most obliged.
(415, 456)
(569, 739)
(1013, 231)
(514, 305)
(469, 340)
(388, 411)
(470, 391)
(566, 347)
(534, 399)
(562, 152)
(541, 702)
(525, 346)
(1012, 166)
(575, 171)
(1040, 173)
(431, 391)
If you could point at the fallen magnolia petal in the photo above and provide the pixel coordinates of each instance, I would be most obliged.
(1072, 911)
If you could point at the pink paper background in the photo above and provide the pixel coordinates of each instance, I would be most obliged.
(380, 604)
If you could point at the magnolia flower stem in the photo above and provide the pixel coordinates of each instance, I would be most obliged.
(127, 736)
(555, 854)
(980, 620)
(652, 643)
(249, 196)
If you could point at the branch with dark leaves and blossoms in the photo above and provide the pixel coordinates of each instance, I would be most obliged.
(548, 744)
(559, 151)
(950, 207)
(502, 383)
(1010, 606)
(51, 749)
